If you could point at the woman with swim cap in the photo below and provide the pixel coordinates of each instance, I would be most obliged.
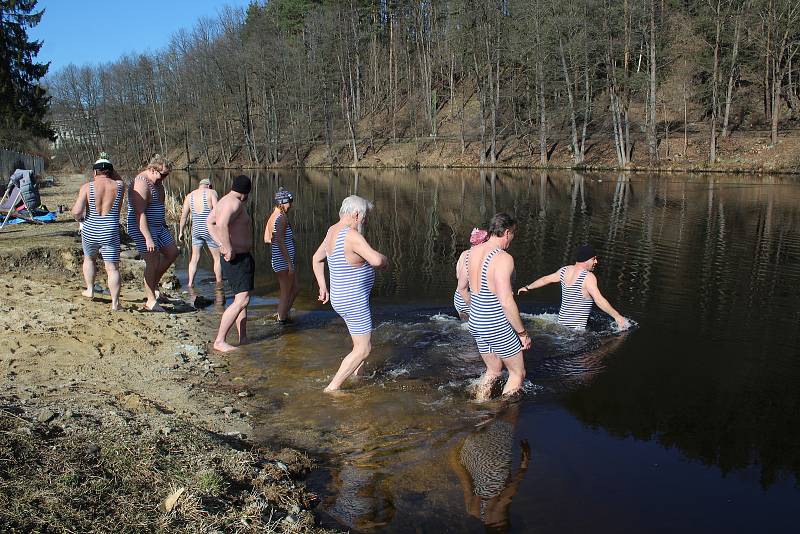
(278, 233)
(461, 302)
(494, 319)
(97, 207)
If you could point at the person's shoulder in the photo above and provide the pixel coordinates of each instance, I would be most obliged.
(590, 277)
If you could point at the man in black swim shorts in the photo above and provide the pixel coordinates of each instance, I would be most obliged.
(229, 225)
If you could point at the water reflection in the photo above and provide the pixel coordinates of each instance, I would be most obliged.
(483, 464)
(708, 266)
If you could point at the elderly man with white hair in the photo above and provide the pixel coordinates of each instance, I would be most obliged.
(351, 262)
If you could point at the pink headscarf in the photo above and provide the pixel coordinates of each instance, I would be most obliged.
(478, 236)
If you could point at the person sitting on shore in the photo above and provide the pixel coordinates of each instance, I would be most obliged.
(476, 237)
(97, 208)
(230, 226)
(147, 226)
(278, 233)
(494, 319)
(351, 262)
(199, 203)
(578, 291)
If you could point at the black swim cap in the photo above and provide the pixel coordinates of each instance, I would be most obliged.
(584, 253)
(242, 184)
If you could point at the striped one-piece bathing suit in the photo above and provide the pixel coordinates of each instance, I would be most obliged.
(278, 261)
(350, 288)
(200, 235)
(100, 233)
(458, 300)
(156, 220)
(487, 320)
(575, 308)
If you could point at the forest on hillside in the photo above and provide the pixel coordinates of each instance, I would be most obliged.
(260, 86)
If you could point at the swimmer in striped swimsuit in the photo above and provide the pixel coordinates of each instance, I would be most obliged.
(100, 231)
(351, 262)
(460, 302)
(200, 235)
(148, 228)
(579, 291)
(278, 233)
(494, 319)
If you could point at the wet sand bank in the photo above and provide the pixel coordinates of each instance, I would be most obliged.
(104, 415)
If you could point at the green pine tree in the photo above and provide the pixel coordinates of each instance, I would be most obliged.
(23, 101)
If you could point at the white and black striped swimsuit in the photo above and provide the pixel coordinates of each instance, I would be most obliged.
(350, 288)
(156, 220)
(100, 233)
(279, 263)
(200, 234)
(487, 321)
(575, 308)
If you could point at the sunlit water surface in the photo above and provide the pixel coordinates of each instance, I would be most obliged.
(689, 422)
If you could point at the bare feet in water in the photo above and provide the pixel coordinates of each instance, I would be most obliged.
(221, 346)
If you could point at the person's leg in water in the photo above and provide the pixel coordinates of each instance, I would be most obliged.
(193, 261)
(235, 313)
(351, 362)
(89, 273)
(494, 370)
(286, 282)
(295, 290)
(516, 373)
(112, 273)
(217, 265)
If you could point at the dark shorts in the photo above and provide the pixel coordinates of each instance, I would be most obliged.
(239, 272)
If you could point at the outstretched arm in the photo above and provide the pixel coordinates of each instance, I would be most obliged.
(318, 266)
(541, 282)
(602, 303)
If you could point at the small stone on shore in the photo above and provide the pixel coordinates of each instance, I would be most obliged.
(46, 416)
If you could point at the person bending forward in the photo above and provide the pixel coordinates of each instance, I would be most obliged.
(351, 262)
(579, 291)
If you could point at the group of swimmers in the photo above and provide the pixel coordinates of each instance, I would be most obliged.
(484, 296)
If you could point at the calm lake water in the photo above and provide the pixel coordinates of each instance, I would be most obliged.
(689, 422)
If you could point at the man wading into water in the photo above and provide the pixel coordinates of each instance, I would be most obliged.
(351, 262)
(578, 291)
(229, 225)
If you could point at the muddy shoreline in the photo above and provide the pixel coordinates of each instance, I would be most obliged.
(104, 416)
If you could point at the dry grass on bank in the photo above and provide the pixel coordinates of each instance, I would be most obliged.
(105, 470)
